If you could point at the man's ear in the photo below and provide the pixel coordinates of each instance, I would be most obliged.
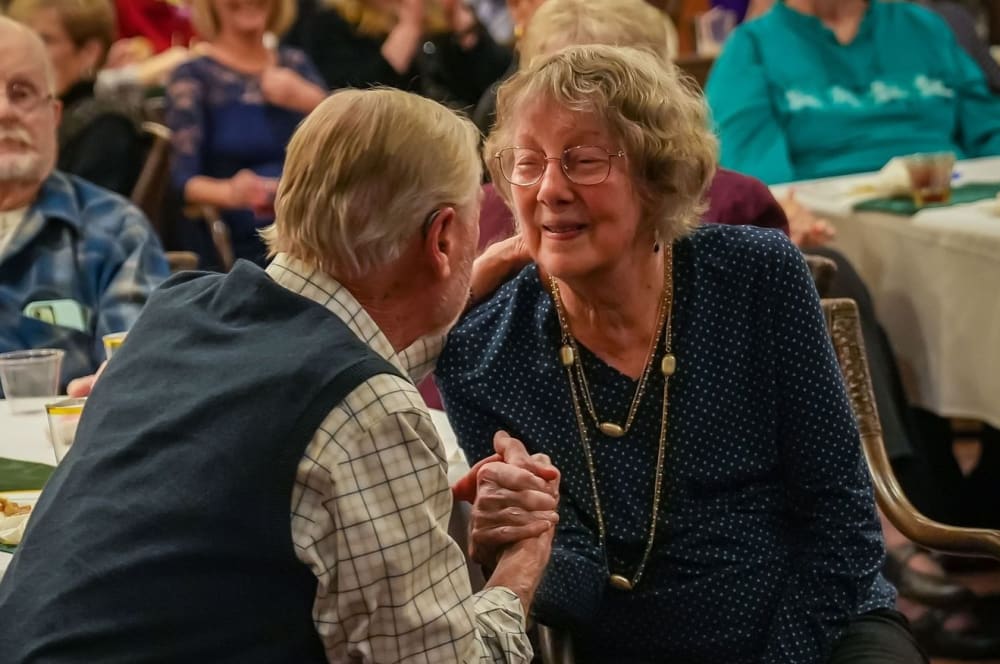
(441, 241)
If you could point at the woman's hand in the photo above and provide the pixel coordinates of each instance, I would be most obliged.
(251, 191)
(411, 13)
(283, 87)
(463, 23)
(400, 47)
(805, 229)
(128, 51)
(516, 499)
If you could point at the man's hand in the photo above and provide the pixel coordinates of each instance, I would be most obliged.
(515, 499)
(81, 387)
(495, 265)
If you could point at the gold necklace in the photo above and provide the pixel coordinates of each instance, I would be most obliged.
(569, 356)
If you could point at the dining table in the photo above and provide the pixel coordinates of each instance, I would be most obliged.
(934, 276)
(24, 438)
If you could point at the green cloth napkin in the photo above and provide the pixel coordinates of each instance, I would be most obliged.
(967, 193)
(8, 548)
(23, 475)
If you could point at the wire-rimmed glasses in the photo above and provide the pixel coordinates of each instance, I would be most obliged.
(25, 97)
(582, 164)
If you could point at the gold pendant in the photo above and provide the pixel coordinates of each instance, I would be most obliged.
(611, 430)
(620, 582)
(668, 365)
(566, 355)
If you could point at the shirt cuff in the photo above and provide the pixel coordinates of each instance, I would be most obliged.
(500, 622)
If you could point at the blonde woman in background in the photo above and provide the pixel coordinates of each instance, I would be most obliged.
(434, 47)
(232, 112)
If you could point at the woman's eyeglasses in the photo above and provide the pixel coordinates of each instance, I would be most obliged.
(583, 164)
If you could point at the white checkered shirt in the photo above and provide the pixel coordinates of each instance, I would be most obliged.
(370, 512)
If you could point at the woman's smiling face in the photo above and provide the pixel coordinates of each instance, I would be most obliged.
(574, 230)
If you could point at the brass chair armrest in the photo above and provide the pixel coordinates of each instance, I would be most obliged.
(845, 330)
(218, 230)
(823, 271)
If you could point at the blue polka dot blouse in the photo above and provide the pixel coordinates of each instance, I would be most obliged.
(768, 540)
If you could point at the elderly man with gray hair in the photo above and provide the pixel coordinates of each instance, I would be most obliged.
(255, 476)
(76, 261)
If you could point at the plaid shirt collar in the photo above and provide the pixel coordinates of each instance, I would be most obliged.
(54, 202)
(316, 285)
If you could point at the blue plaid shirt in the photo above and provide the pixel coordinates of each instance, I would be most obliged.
(90, 251)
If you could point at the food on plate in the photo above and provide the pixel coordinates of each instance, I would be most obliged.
(13, 519)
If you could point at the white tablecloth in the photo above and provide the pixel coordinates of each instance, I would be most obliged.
(25, 437)
(935, 280)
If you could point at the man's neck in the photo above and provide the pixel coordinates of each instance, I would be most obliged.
(400, 312)
(16, 195)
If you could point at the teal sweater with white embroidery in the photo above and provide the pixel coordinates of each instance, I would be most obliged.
(791, 103)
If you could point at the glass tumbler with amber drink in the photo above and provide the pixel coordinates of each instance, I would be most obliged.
(930, 177)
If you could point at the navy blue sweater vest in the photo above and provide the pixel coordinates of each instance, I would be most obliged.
(164, 536)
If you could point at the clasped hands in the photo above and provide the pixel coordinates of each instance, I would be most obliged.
(514, 498)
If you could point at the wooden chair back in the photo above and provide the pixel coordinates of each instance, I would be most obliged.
(845, 330)
(150, 189)
(823, 271)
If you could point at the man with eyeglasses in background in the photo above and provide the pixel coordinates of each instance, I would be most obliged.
(76, 261)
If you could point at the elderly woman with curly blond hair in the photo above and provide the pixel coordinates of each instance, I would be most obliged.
(715, 506)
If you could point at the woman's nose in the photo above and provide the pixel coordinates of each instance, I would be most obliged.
(554, 187)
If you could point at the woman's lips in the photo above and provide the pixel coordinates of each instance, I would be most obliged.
(563, 231)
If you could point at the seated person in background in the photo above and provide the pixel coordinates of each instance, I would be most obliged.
(247, 527)
(521, 13)
(232, 112)
(434, 47)
(682, 380)
(868, 81)
(959, 19)
(76, 262)
(98, 137)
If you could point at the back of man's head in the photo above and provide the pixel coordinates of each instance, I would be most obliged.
(362, 173)
(29, 114)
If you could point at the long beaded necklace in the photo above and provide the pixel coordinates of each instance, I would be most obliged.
(569, 356)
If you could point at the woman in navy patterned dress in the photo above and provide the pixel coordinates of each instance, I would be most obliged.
(715, 505)
(232, 112)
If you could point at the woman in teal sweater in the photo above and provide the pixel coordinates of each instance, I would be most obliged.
(816, 88)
